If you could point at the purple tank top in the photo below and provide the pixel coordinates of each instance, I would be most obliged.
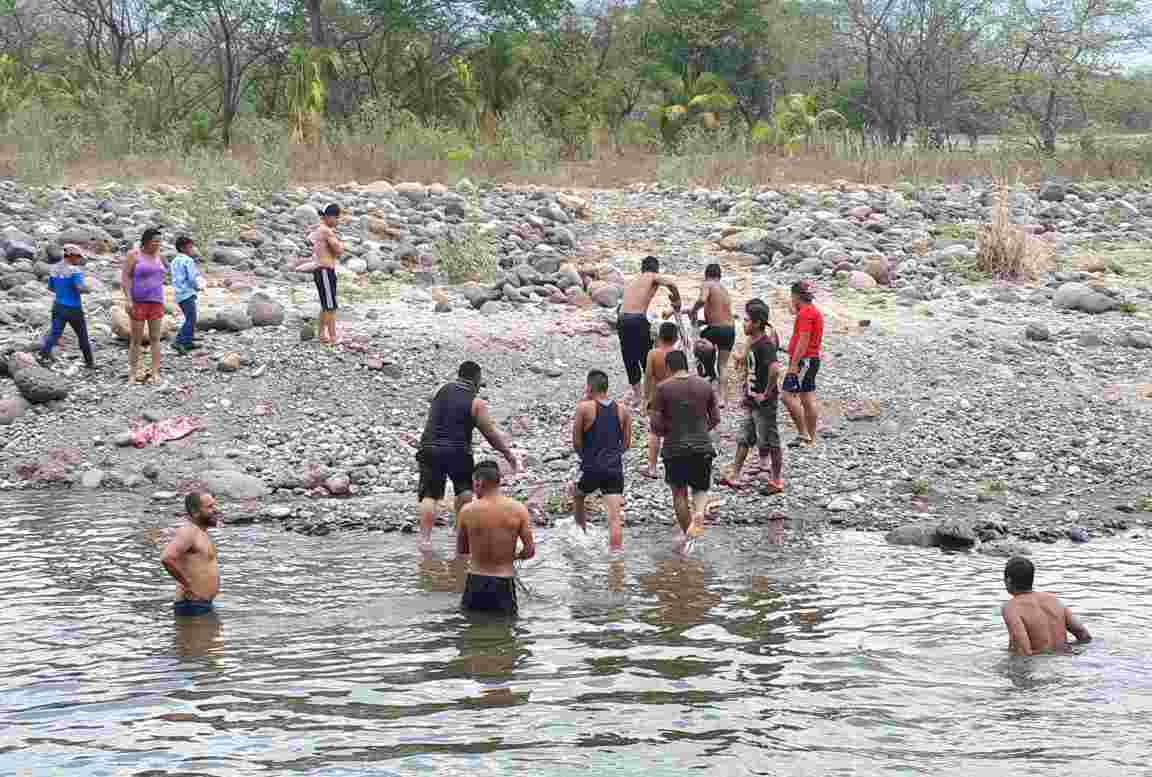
(148, 279)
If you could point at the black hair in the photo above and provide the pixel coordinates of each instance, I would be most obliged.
(802, 291)
(598, 381)
(183, 242)
(669, 332)
(150, 234)
(1020, 572)
(193, 502)
(676, 361)
(487, 471)
(649, 264)
(754, 303)
(469, 371)
(712, 271)
(331, 209)
(759, 314)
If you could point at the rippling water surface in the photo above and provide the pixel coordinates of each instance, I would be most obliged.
(804, 654)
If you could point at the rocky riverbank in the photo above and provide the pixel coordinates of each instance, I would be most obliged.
(957, 411)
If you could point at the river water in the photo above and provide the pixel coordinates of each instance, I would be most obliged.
(804, 653)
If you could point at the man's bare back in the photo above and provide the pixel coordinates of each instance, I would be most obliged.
(1038, 623)
(638, 294)
(192, 552)
(717, 304)
(489, 528)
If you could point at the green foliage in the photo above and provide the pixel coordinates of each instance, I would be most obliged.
(307, 91)
(688, 101)
(466, 254)
(43, 140)
(797, 120)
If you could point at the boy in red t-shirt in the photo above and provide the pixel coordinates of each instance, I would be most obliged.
(803, 364)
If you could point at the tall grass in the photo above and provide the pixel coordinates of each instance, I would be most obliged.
(1005, 250)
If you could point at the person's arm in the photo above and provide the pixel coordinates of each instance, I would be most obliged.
(760, 376)
(462, 547)
(1018, 641)
(1075, 627)
(126, 278)
(656, 414)
(529, 549)
(701, 301)
(578, 429)
(649, 383)
(78, 280)
(713, 410)
(626, 422)
(334, 244)
(803, 334)
(673, 291)
(173, 561)
(488, 428)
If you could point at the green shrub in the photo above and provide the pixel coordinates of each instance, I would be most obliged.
(466, 254)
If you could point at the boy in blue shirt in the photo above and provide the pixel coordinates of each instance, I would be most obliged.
(67, 283)
(186, 286)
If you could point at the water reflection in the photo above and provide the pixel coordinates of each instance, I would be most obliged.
(198, 637)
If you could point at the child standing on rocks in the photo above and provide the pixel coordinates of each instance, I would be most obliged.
(186, 286)
(67, 283)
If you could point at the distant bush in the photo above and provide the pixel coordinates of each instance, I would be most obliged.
(1005, 250)
(466, 254)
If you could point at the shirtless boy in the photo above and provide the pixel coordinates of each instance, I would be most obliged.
(655, 372)
(488, 530)
(1036, 620)
(632, 323)
(326, 247)
(721, 329)
(190, 557)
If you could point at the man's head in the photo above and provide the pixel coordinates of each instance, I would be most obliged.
(202, 509)
(72, 253)
(469, 372)
(1019, 575)
(755, 302)
(331, 214)
(669, 333)
(712, 272)
(756, 320)
(486, 478)
(677, 361)
(802, 293)
(184, 245)
(597, 383)
(150, 240)
(649, 264)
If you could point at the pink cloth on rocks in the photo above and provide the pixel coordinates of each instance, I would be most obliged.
(163, 431)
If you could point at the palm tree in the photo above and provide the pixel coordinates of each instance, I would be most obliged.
(794, 122)
(689, 100)
(307, 93)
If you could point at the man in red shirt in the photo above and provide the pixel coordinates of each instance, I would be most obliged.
(799, 389)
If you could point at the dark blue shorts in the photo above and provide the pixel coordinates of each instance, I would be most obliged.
(489, 594)
(192, 607)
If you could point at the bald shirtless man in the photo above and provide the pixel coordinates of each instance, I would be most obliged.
(720, 330)
(1036, 621)
(488, 531)
(190, 557)
(632, 323)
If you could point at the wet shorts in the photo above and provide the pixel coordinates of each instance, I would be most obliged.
(147, 311)
(760, 430)
(191, 607)
(325, 278)
(804, 381)
(437, 468)
(605, 482)
(489, 594)
(693, 470)
(723, 337)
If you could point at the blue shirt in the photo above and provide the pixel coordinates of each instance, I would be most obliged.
(185, 277)
(66, 281)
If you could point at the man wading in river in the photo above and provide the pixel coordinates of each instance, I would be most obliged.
(446, 445)
(601, 432)
(632, 322)
(1036, 620)
(190, 557)
(720, 332)
(487, 531)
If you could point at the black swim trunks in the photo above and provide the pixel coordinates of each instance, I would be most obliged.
(804, 381)
(635, 343)
(437, 468)
(325, 278)
(607, 483)
(486, 593)
(723, 337)
(192, 607)
(693, 470)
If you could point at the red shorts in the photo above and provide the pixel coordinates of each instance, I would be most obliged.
(147, 311)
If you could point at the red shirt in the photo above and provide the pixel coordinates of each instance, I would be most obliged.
(810, 320)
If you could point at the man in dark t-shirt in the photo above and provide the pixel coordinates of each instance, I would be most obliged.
(683, 412)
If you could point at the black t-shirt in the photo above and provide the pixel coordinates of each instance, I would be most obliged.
(760, 358)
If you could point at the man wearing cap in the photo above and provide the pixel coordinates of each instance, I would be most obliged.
(67, 283)
(325, 248)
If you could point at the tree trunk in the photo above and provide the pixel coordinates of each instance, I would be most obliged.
(1048, 124)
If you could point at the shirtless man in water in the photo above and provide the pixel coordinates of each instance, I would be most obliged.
(1036, 620)
(488, 530)
(632, 322)
(190, 557)
(721, 329)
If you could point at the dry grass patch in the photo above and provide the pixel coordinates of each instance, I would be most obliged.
(1005, 250)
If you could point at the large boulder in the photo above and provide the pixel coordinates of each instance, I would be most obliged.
(748, 241)
(379, 187)
(306, 216)
(861, 280)
(233, 485)
(122, 326)
(1079, 296)
(1004, 548)
(608, 295)
(573, 204)
(39, 385)
(955, 534)
(229, 256)
(809, 267)
(265, 312)
(476, 294)
(12, 408)
(414, 192)
(233, 319)
(879, 268)
(920, 534)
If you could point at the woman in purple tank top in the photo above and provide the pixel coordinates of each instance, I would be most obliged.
(143, 282)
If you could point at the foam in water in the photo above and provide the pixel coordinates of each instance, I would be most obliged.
(576, 538)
